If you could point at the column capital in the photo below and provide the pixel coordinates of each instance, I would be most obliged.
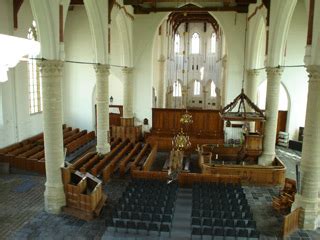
(102, 68)
(314, 71)
(274, 71)
(50, 67)
(127, 70)
(253, 72)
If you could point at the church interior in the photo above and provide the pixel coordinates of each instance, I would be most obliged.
(223, 143)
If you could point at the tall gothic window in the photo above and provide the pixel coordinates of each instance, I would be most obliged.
(213, 89)
(213, 43)
(196, 87)
(177, 89)
(177, 43)
(35, 82)
(195, 43)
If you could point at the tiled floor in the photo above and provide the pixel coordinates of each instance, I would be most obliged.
(22, 215)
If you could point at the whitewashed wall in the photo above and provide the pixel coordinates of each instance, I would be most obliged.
(17, 123)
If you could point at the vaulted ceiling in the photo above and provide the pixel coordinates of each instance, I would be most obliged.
(148, 6)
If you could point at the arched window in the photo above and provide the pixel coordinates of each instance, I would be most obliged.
(35, 82)
(213, 43)
(196, 87)
(177, 89)
(195, 43)
(262, 94)
(176, 43)
(213, 89)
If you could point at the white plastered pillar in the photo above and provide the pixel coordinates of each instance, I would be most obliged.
(102, 75)
(272, 104)
(252, 84)
(51, 73)
(127, 92)
(308, 197)
(251, 89)
(224, 81)
(161, 62)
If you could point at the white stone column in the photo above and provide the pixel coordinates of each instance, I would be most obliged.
(102, 86)
(308, 197)
(51, 73)
(272, 102)
(251, 89)
(161, 62)
(204, 103)
(252, 84)
(224, 81)
(127, 92)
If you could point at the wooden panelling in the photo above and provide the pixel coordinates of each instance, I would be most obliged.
(205, 122)
(251, 174)
(207, 127)
(291, 222)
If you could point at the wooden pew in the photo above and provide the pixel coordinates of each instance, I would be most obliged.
(20, 150)
(38, 155)
(73, 137)
(81, 161)
(115, 143)
(135, 165)
(96, 170)
(115, 162)
(150, 159)
(89, 164)
(74, 145)
(127, 161)
(70, 133)
(10, 148)
(31, 152)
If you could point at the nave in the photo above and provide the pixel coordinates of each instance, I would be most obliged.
(26, 218)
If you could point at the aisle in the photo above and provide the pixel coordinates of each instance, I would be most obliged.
(181, 222)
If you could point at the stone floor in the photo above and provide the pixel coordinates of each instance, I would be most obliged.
(22, 215)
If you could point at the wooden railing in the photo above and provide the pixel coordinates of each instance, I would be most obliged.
(291, 222)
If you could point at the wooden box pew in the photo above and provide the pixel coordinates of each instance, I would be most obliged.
(97, 169)
(74, 145)
(141, 156)
(37, 155)
(150, 159)
(31, 151)
(33, 139)
(81, 161)
(89, 164)
(70, 133)
(10, 148)
(66, 132)
(24, 161)
(13, 159)
(127, 161)
(41, 166)
(115, 142)
(115, 162)
(73, 137)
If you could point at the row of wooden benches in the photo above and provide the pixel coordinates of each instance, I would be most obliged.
(29, 153)
(123, 156)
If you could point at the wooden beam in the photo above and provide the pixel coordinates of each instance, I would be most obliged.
(16, 7)
(310, 23)
(76, 2)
